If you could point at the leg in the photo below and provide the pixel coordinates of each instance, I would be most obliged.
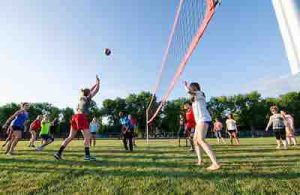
(17, 136)
(236, 138)
(130, 137)
(125, 141)
(283, 138)
(46, 142)
(288, 139)
(9, 141)
(197, 146)
(223, 140)
(87, 137)
(230, 137)
(277, 136)
(64, 144)
(192, 143)
(94, 139)
(202, 128)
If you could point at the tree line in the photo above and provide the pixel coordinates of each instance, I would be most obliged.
(251, 111)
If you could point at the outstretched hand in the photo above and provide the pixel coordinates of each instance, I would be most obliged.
(185, 83)
(97, 79)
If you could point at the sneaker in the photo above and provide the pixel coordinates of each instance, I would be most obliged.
(33, 146)
(57, 156)
(10, 153)
(89, 158)
(39, 149)
(278, 147)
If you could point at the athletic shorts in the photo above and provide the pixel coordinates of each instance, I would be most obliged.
(280, 134)
(190, 132)
(79, 122)
(93, 133)
(231, 131)
(46, 137)
(35, 130)
(17, 128)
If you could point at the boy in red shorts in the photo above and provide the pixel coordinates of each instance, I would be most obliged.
(80, 121)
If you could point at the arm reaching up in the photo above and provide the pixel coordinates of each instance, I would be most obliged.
(95, 88)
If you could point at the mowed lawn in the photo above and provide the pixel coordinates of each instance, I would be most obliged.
(163, 167)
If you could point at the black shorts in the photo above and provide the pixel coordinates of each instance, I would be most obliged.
(93, 133)
(231, 131)
(47, 137)
(17, 128)
(280, 134)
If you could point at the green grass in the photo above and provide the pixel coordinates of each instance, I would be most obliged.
(254, 167)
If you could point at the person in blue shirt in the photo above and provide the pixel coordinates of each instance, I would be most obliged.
(127, 130)
(17, 125)
(94, 126)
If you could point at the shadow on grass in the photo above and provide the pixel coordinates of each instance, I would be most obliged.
(217, 175)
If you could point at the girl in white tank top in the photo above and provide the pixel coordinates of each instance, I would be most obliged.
(203, 121)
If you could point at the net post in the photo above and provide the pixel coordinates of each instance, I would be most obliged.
(147, 127)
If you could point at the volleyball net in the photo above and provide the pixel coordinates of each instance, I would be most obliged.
(191, 20)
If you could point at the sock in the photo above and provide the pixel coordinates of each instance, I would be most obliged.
(87, 151)
(61, 149)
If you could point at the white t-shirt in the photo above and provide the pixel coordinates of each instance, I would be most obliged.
(201, 113)
(290, 120)
(231, 124)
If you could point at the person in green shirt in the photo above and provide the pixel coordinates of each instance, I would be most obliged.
(45, 133)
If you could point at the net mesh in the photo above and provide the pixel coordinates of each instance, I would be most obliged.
(191, 20)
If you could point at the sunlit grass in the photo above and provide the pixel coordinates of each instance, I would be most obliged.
(163, 167)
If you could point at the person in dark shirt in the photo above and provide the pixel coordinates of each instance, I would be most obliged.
(127, 130)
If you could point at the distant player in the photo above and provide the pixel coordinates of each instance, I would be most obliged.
(45, 133)
(277, 121)
(127, 130)
(79, 121)
(134, 124)
(218, 127)
(190, 124)
(34, 129)
(289, 128)
(94, 126)
(17, 123)
(232, 129)
(203, 121)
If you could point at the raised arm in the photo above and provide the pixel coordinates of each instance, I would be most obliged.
(95, 88)
(187, 89)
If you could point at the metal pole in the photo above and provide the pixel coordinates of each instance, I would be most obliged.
(288, 17)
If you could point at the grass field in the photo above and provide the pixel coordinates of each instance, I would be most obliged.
(254, 167)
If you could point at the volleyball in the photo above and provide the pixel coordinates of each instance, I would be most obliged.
(107, 51)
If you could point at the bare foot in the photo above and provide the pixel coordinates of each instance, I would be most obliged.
(213, 167)
(199, 163)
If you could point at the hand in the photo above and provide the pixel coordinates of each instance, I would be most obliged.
(185, 83)
(97, 79)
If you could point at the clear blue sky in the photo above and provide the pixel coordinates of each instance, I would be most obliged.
(51, 49)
